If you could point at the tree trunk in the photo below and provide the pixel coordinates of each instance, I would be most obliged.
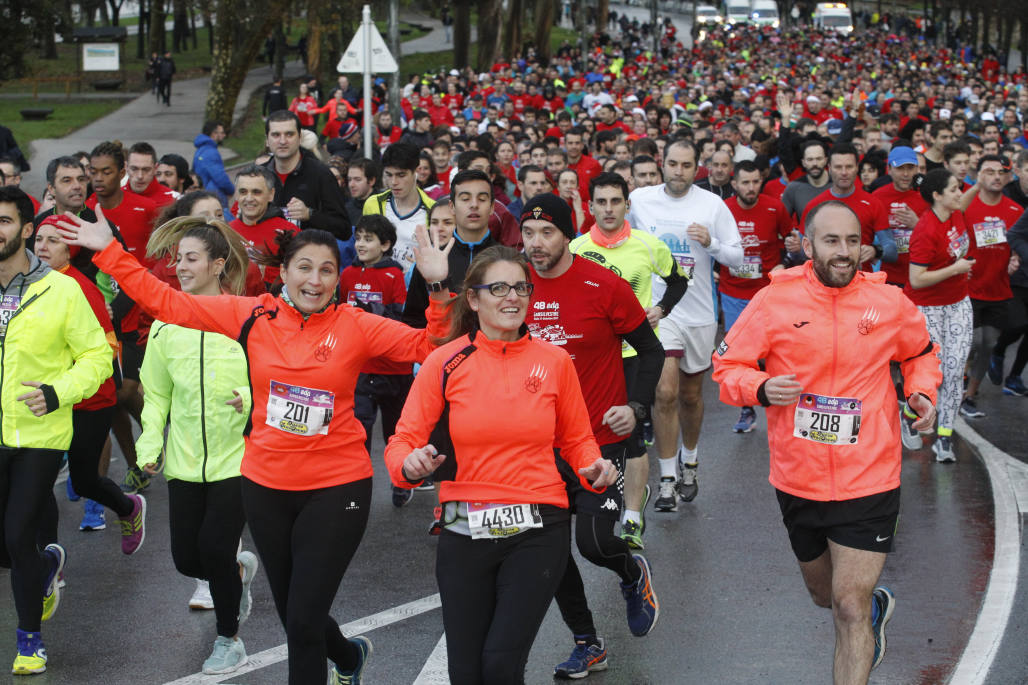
(180, 30)
(654, 28)
(141, 32)
(512, 29)
(192, 24)
(603, 15)
(280, 52)
(157, 15)
(115, 11)
(461, 32)
(986, 25)
(543, 27)
(1006, 40)
(490, 14)
(1024, 43)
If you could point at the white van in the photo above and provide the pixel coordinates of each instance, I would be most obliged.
(706, 14)
(737, 11)
(833, 16)
(765, 13)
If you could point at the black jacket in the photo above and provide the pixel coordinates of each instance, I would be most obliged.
(274, 100)
(417, 291)
(314, 184)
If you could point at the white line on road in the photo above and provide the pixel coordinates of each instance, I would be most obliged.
(279, 653)
(984, 643)
(435, 671)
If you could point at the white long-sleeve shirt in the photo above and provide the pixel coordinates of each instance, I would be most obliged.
(668, 218)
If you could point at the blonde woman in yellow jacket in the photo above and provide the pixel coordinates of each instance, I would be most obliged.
(200, 380)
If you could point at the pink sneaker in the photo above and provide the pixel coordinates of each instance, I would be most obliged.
(133, 526)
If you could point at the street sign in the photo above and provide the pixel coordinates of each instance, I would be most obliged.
(382, 61)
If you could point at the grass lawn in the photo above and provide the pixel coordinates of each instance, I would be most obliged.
(68, 116)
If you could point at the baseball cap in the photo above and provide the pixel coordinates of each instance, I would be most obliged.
(899, 156)
(834, 127)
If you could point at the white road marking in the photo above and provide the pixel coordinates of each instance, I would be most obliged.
(983, 645)
(435, 670)
(279, 653)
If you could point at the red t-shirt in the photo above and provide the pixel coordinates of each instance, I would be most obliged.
(617, 125)
(936, 244)
(987, 227)
(106, 395)
(587, 169)
(135, 218)
(774, 188)
(899, 271)
(869, 211)
(162, 196)
(763, 230)
(586, 311)
(370, 285)
(262, 237)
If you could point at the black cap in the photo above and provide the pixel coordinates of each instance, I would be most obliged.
(549, 207)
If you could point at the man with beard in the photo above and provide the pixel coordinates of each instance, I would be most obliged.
(833, 412)
(814, 160)
(173, 172)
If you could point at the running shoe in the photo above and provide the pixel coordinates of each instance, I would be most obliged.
(31, 658)
(135, 481)
(631, 532)
(72, 495)
(647, 432)
(402, 496)
(589, 654)
(642, 509)
(427, 484)
(886, 602)
(970, 410)
(996, 369)
(667, 495)
(643, 609)
(364, 651)
(133, 526)
(437, 525)
(1014, 386)
(228, 655)
(93, 517)
(943, 448)
(747, 417)
(687, 486)
(201, 598)
(908, 434)
(247, 572)
(55, 558)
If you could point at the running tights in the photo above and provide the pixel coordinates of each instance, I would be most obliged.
(597, 542)
(983, 342)
(306, 539)
(495, 594)
(1009, 337)
(206, 521)
(950, 326)
(87, 443)
(26, 482)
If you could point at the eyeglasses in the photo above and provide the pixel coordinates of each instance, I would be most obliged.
(500, 288)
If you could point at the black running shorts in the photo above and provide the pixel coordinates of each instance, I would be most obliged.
(866, 523)
(606, 504)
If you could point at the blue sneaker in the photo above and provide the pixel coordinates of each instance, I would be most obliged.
(364, 650)
(886, 602)
(31, 657)
(996, 369)
(402, 496)
(643, 609)
(1014, 386)
(747, 417)
(72, 495)
(93, 517)
(55, 558)
(588, 655)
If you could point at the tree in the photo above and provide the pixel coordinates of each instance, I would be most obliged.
(544, 10)
(512, 29)
(490, 15)
(461, 32)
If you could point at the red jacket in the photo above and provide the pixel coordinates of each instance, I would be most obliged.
(106, 395)
(838, 342)
(303, 372)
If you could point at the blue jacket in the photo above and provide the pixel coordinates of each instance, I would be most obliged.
(210, 169)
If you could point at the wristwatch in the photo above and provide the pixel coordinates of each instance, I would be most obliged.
(438, 286)
(639, 409)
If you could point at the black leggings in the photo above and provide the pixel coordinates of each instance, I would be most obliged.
(494, 595)
(206, 520)
(385, 392)
(597, 542)
(87, 443)
(306, 539)
(26, 481)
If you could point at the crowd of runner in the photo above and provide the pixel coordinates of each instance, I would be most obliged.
(565, 241)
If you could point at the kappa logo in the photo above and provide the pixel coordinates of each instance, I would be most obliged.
(722, 348)
(323, 351)
(609, 505)
(868, 321)
(535, 378)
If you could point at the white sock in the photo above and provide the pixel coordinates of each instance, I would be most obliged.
(631, 515)
(668, 468)
(687, 457)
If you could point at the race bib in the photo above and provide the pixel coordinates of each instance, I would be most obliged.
(901, 236)
(8, 306)
(989, 233)
(364, 297)
(750, 268)
(687, 264)
(827, 420)
(958, 246)
(491, 521)
(298, 410)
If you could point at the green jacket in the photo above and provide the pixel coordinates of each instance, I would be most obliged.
(48, 334)
(190, 375)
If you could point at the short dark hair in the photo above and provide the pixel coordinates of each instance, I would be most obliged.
(608, 179)
(20, 200)
(181, 168)
(467, 176)
(1002, 159)
(370, 168)
(212, 125)
(401, 156)
(645, 146)
(281, 115)
(935, 181)
(257, 170)
(576, 131)
(747, 165)
(844, 149)
(144, 148)
(420, 114)
(55, 164)
(527, 169)
(465, 159)
(378, 226)
(957, 147)
(938, 126)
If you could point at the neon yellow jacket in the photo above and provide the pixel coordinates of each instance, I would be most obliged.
(52, 337)
(190, 375)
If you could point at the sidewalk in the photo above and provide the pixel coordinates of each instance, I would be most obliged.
(172, 129)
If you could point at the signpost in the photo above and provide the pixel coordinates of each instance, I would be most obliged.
(367, 54)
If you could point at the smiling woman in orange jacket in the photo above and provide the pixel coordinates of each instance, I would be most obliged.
(306, 474)
(509, 400)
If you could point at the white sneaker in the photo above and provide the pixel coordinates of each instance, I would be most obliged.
(228, 655)
(247, 571)
(201, 598)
